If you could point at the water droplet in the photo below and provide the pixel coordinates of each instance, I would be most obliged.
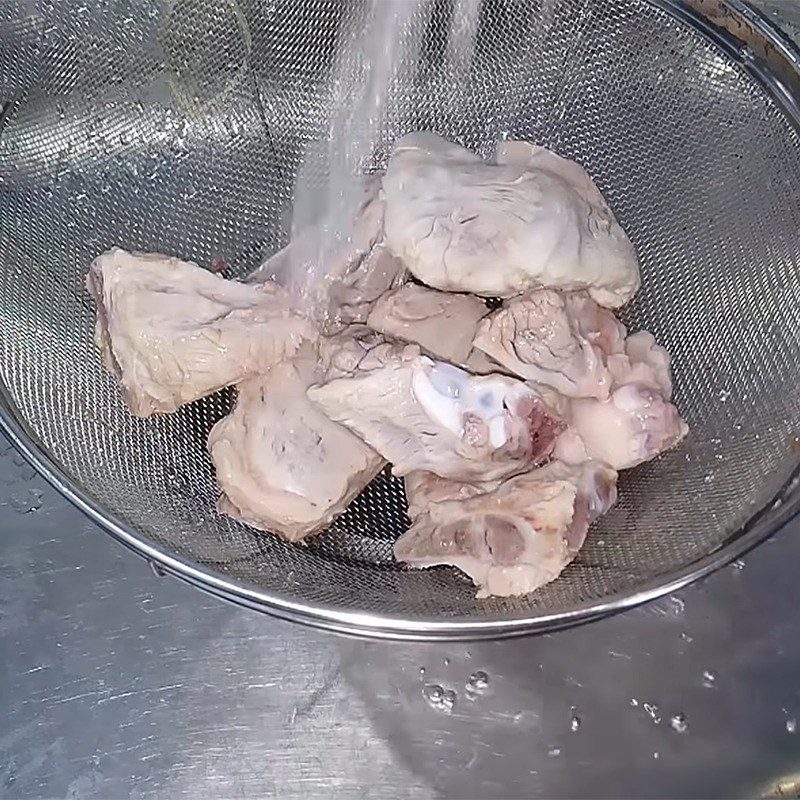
(156, 569)
(27, 502)
(709, 677)
(477, 683)
(791, 725)
(678, 723)
(652, 712)
(575, 723)
(678, 605)
(433, 693)
(438, 697)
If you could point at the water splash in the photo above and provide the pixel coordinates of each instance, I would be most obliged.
(374, 53)
(329, 189)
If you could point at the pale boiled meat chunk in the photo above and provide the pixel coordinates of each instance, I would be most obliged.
(441, 323)
(532, 220)
(341, 354)
(637, 422)
(562, 340)
(283, 466)
(518, 537)
(173, 332)
(570, 448)
(478, 363)
(643, 361)
(354, 293)
(424, 488)
(633, 426)
(620, 387)
(420, 414)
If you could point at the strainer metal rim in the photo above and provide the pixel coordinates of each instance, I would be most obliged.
(767, 521)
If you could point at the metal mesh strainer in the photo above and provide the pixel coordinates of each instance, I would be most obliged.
(178, 126)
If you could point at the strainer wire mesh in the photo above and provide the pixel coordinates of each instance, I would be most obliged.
(180, 128)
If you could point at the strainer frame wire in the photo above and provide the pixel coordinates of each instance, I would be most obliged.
(776, 513)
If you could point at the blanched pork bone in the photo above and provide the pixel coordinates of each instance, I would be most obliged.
(282, 465)
(645, 362)
(531, 220)
(173, 332)
(560, 340)
(633, 426)
(520, 536)
(420, 414)
(441, 323)
(637, 422)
